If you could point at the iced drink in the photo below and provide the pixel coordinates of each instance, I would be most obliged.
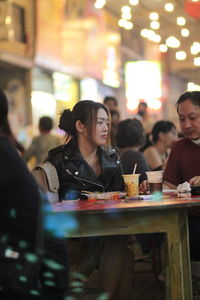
(155, 181)
(131, 184)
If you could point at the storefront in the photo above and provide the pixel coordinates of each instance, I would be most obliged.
(16, 58)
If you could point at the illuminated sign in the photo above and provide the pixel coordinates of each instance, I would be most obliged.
(143, 82)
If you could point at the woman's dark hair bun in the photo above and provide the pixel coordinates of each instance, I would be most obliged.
(65, 120)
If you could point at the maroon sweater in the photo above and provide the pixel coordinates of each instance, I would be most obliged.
(183, 162)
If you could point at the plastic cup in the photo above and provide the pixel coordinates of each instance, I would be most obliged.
(155, 179)
(131, 184)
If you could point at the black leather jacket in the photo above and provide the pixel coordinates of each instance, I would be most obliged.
(76, 175)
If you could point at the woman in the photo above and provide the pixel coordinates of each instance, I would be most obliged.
(164, 135)
(87, 163)
(130, 137)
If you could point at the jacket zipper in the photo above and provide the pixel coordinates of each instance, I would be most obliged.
(81, 179)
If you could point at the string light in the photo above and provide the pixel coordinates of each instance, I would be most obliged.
(134, 2)
(172, 42)
(197, 61)
(169, 7)
(195, 48)
(155, 25)
(181, 55)
(100, 4)
(181, 21)
(154, 16)
(185, 32)
(163, 48)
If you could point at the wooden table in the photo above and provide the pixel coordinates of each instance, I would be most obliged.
(167, 215)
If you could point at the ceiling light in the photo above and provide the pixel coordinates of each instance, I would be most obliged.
(163, 48)
(172, 42)
(185, 32)
(133, 2)
(155, 25)
(99, 4)
(157, 38)
(125, 9)
(144, 32)
(126, 15)
(193, 87)
(169, 7)
(195, 48)
(8, 20)
(154, 16)
(197, 61)
(150, 35)
(181, 21)
(121, 22)
(181, 55)
(128, 25)
(125, 24)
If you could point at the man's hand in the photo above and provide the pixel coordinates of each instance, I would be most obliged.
(194, 181)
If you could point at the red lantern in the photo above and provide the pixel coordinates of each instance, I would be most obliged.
(192, 8)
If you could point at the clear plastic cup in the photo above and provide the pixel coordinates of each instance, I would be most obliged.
(155, 179)
(131, 184)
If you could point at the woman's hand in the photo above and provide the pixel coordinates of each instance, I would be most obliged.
(144, 186)
(194, 181)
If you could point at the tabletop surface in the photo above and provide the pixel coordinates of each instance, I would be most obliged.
(99, 206)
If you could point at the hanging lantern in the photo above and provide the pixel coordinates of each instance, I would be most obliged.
(193, 8)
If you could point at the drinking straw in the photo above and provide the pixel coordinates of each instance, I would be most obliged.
(134, 169)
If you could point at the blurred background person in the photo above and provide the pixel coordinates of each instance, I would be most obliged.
(111, 103)
(115, 118)
(144, 117)
(42, 143)
(163, 136)
(129, 138)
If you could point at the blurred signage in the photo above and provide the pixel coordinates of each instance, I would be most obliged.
(84, 40)
(3, 21)
(40, 101)
(112, 62)
(89, 89)
(143, 82)
(65, 92)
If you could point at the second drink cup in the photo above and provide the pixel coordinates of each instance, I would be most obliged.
(132, 184)
(155, 179)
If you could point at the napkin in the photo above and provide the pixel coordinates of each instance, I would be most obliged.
(184, 189)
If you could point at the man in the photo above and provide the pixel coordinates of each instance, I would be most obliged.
(184, 160)
(144, 117)
(111, 102)
(184, 165)
(42, 143)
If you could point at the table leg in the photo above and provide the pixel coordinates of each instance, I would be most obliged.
(183, 221)
(178, 263)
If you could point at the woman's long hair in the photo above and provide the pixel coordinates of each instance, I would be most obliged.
(86, 112)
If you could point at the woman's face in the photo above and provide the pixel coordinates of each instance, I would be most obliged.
(170, 138)
(101, 129)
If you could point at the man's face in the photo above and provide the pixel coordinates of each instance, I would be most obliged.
(189, 118)
(142, 109)
(111, 104)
